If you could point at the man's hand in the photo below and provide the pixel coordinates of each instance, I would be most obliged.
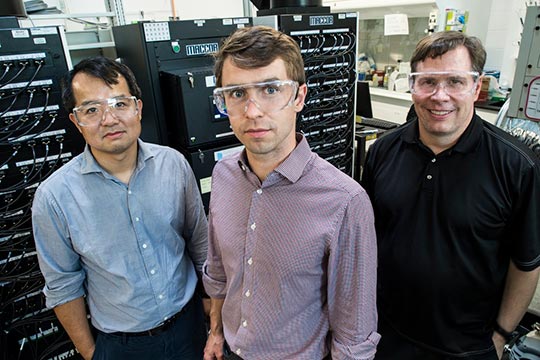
(214, 347)
(499, 343)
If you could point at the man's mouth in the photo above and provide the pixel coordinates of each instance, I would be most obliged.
(440, 112)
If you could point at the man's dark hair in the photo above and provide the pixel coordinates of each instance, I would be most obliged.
(440, 43)
(258, 46)
(100, 67)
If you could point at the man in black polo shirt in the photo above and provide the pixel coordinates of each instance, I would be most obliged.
(456, 204)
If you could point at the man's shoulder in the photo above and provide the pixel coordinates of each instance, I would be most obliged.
(390, 138)
(506, 143)
(330, 176)
(161, 150)
(63, 177)
(68, 171)
(164, 155)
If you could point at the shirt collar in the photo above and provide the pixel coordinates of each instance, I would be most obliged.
(293, 166)
(90, 165)
(467, 142)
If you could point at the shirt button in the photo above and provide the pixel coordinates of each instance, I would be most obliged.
(144, 246)
(152, 271)
(259, 191)
(129, 192)
(247, 293)
(433, 160)
(160, 296)
(137, 219)
(244, 323)
(253, 226)
(250, 261)
(429, 177)
(238, 352)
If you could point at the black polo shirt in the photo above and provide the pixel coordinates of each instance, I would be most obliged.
(447, 226)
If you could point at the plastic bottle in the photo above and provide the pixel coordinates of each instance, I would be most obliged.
(392, 79)
(375, 80)
(363, 68)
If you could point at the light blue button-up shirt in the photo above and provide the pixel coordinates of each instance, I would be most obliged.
(131, 249)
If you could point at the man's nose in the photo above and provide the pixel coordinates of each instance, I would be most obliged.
(440, 91)
(108, 116)
(252, 109)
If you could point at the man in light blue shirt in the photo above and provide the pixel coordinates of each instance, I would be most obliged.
(123, 225)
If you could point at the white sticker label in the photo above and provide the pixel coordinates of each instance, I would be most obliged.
(43, 31)
(218, 155)
(241, 21)
(210, 81)
(20, 33)
(206, 185)
(158, 31)
(40, 41)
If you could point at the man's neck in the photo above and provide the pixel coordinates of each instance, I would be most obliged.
(262, 166)
(120, 166)
(438, 144)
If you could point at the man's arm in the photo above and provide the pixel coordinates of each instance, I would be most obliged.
(216, 340)
(195, 230)
(518, 293)
(73, 317)
(352, 279)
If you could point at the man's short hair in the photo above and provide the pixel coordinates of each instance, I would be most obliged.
(100, 67)
(441, 42)
(258, 46)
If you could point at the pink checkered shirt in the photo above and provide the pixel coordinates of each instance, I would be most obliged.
(295, 259)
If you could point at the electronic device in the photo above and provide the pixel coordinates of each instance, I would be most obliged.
(157, 52)
(365, 111)
(525, 97)
(520, 115)
(36, 138)
(363, 100)
(379, 123)
(328, 45)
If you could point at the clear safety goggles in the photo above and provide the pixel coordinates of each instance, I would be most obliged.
(268, 97)
(453, 82)
(93, 112)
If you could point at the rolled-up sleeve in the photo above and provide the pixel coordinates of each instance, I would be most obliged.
(352, 279)
(214, 278)
(58, 261)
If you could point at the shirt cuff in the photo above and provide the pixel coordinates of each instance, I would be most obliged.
(215, 288)
(54, 299)
(363, 351)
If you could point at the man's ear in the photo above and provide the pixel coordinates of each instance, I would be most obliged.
(300, 98)
(478, 87)
(139, 108)
(74, 121)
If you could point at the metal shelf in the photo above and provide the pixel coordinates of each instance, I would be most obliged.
(96, 45)
(71, 16)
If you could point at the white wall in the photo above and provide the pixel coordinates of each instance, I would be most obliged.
(478, 15)
(504, 34)
(158, 9)
(184, 9)
(497, 24)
